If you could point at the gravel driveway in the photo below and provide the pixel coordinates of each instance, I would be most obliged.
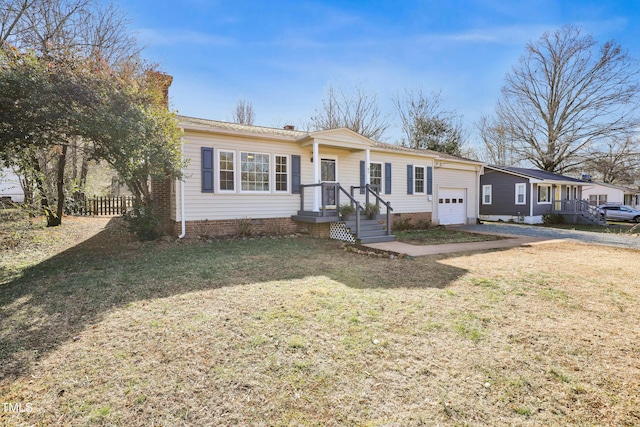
(609, 239)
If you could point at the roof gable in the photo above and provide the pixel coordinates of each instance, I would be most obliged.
(342, 137)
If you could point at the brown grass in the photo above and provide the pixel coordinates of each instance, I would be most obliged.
(297, 332)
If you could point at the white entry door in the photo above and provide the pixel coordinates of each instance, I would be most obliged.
(452, 206)
(329, 173)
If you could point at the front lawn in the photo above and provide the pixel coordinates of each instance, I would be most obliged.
(296, 331)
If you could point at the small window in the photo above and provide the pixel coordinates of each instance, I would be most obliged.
(460, 201)
(439, 200)
(418, 180)
(375, 175)
(521, 191)
(447, 201)
(486, 194)
(454, 200)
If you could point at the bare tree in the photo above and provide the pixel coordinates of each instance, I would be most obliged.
(84, 27)
(566, 95)
(356, 110)
(616, 162)
(427, 125)
(498, 149)
(243, 113)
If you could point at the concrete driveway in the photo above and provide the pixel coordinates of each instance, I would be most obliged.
(609, 239)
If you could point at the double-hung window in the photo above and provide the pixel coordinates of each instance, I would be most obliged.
(521, 193)
(486, 194)
(418, 180)
(375, 175)
(227, 170)
(254, 172)
(281, 165)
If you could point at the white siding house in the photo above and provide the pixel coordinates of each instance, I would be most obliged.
(265, 175)
(599, 193)
(10, 185)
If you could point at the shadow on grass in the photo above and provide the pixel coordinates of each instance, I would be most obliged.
(55, 300)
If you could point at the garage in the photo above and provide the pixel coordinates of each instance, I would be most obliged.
(452, 206)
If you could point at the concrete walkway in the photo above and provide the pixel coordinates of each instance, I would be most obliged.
(417, 250)
(510, 241)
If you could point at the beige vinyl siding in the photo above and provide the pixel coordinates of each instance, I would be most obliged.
(463, 176)
(401, 202)
(224, 205)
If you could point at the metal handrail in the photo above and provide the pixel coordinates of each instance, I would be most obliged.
(358, 205)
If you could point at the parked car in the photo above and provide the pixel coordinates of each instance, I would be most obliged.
(619, 213)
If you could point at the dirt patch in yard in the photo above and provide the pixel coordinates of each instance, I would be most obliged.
(299, 332)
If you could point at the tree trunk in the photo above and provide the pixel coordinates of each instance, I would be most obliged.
(84, 170)
(44, 201)
(62, 161)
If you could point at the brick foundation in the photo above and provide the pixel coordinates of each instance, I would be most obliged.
(415, 218)
(232, 227)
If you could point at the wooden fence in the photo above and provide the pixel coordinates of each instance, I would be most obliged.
(100, 206)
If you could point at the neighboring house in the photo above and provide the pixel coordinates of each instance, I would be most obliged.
(10, 185)
(600, 193)
(267, 176)
(525, 195)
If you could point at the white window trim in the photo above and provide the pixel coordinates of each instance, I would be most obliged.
(424, 179)
(487, 193)
(275, 190)
(381, 174)
(549, 193)
(217, 170)
(524, 193)
(239, 179)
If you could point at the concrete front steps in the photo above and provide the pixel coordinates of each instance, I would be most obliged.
(371, 230)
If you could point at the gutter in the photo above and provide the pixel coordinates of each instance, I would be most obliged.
(182, 216)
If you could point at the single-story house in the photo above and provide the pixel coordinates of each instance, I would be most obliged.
(287, 179)
(525, 195)
(600, 193)
(10, 186)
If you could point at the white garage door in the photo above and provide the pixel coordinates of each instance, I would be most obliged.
(452, 206)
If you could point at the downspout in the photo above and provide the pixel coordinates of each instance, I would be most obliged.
(182, 216)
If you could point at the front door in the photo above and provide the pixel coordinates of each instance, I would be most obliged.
(328, 173)
(558, 197)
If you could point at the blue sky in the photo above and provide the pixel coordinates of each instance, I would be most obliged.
(282, 55)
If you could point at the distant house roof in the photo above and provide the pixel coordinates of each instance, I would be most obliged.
(536, 174)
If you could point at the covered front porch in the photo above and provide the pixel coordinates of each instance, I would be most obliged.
(321, 200)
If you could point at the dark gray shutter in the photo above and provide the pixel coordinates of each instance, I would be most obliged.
(363, 182)
(387, 178)
(295, 174)
(409, 179)
(207, 169)
(429, 180)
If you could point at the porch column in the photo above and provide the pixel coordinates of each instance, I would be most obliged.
(317, 193)
(367, 166)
